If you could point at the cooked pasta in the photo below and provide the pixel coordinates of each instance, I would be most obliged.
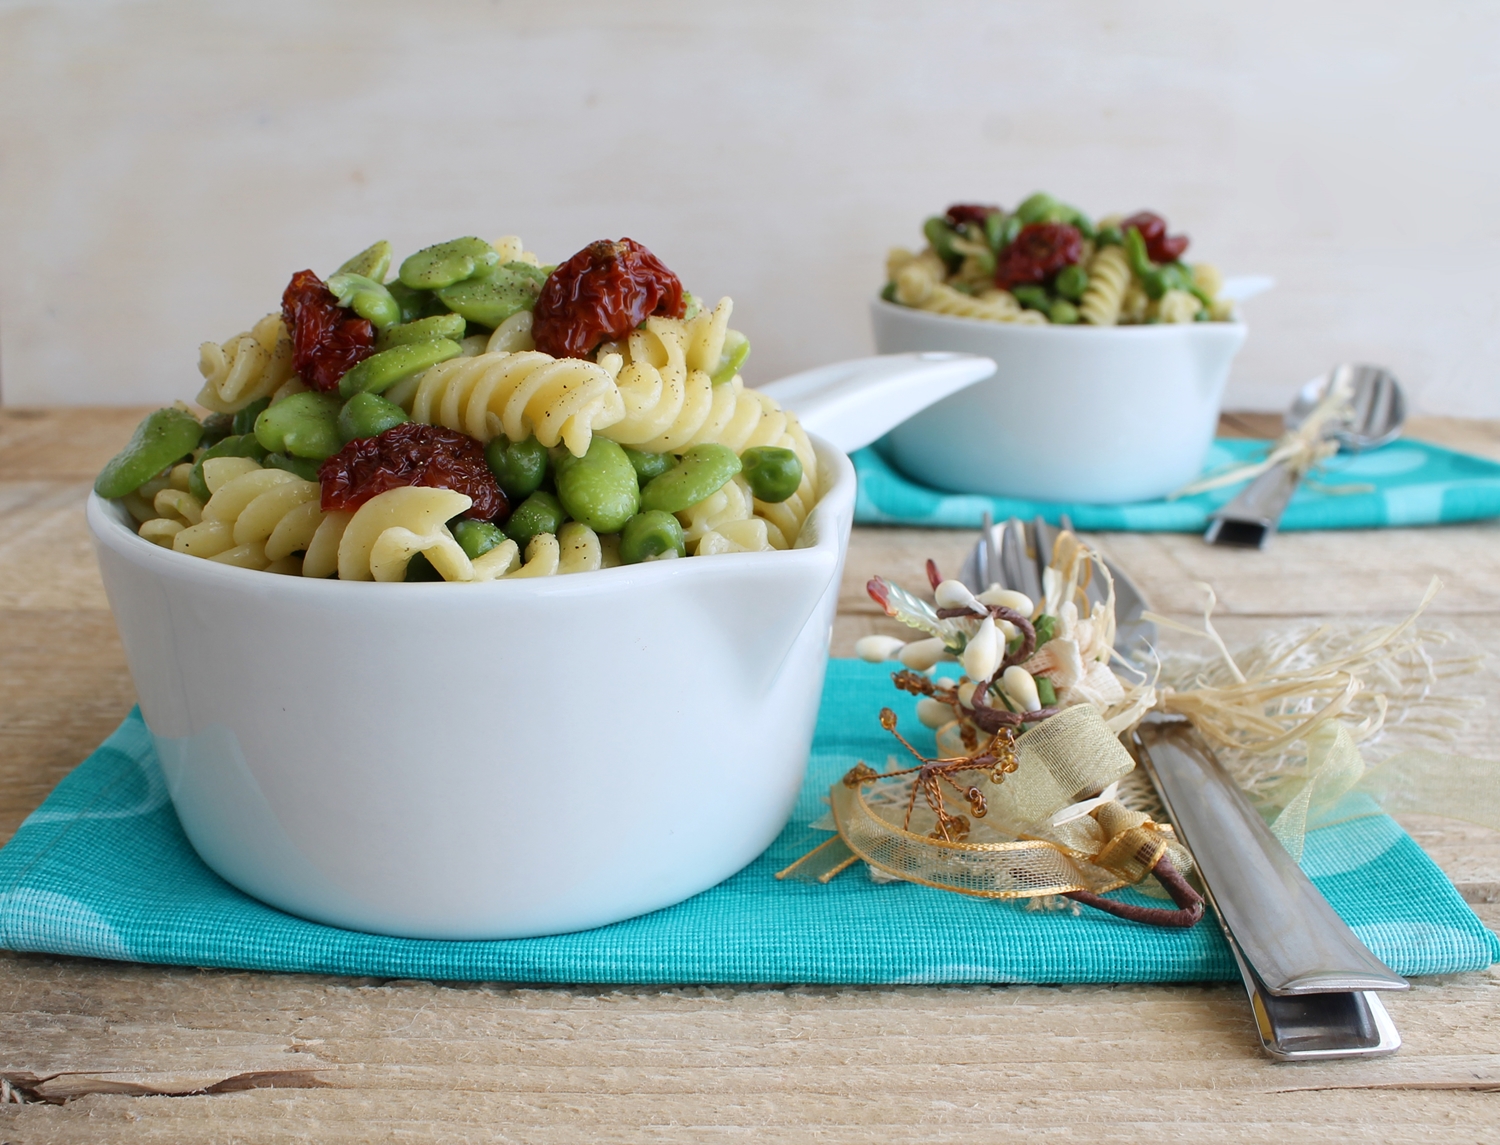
(246, 368)
(1177, 306)
(1109, 277)
(256, 518)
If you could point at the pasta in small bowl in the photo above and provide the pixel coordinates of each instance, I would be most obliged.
(1100, 326)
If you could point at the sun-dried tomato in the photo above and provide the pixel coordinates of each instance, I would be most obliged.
(1159, 246)
(412, 454)
(326, 339)
(961, 213)
(1038, 252)
(603, 292)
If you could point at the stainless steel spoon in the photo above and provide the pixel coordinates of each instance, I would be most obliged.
(1372, 414)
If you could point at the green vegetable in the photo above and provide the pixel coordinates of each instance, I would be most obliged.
(244, 420)
(1110, 236)
(648, 466)
(1063, 312)
(1046, 628)
(600, 488)
(1032, 297)
(736, 350)
(1045, 692)
(1008, 232)
(372, 262)
(163, 437)
(450, 326)
(304, 467)
(940, 236)
(476, 537)
(379, 372)
(1140, 262)
(888, 292)
(994, 231)
(420, 568)
(303, 425)
(1071, 282)
(492, 297)
(415, 304)
(241, 445)
(539, 513)
(1044, 208)
(692, 305)
(519, 467)
(216, 427)
(773, 473)
(367, 415)
(650, 534)
(435, 267)
(702, 471)
(367, 298)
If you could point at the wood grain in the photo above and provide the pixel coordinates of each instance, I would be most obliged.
(93, 1051)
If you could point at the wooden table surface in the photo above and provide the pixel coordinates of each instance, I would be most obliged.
(101, 1051)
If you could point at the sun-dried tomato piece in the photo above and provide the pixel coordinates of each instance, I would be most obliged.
(1038, 252)
(1160, 247)
(961, 213)
(603, 292)
(412, 454)
(326, 339)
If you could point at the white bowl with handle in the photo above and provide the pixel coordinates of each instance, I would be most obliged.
(1072, 413)
(500, 760)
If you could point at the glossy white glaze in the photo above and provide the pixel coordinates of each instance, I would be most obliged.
(495, 760)
(1072, 413)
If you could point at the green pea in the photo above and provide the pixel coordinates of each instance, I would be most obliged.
(379, 372)
(216, 427)
(888, 292)
(702, 472)
(650, 534)
(476, 537)
(162, 437)
(304, 467)
(372, 262)
(600, 488)
(244, 420)
(940, 237)
(1046, 628)
(367, 298)
(1045, 692)
(492, 297)
(648, 466)
(446, 263)
(519, 467)
(367, 415)
(736, 350)
(774, 473)
(1071, 282)
(303, 425)
(1110, 236)
(1063, 312)
(415, 304)
(241, 445)
(539, 513)
(1032, 297)
(420, 568)
(450, 326)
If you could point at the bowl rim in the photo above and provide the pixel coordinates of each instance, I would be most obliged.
(1162, 330)
(107, 522)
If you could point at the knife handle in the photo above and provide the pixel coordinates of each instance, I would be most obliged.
(1251, 519)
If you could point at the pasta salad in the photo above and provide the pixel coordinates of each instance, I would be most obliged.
(473, 416)
(1047, 263)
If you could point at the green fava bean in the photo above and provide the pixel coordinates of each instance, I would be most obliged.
(367, 415)
(161, 438)
(736, 350)
(648, 466)
(940, 237)
(1063, 312)
(303, 425)
(539, 513)
(519, 467)
(1039, 208)
(702, 472)
(415, 304)
(450, 326)
(1071, 282)
(420, 568)
(241, 445)
(994, 231)
(372, 262)
(476, 537)
(244, 421)
(774, 473)
(600, 488)
(649, 535)
(304, 467)
(1110, 236)
(489, 299)
(435, 267)
(379, 372)
(216, 427)
(367, 298)
(1032, 297)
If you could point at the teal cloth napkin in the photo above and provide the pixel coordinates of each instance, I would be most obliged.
(1414, 484)
(102, 868)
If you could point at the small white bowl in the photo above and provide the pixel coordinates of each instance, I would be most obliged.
(494, 760)
(1072, 413)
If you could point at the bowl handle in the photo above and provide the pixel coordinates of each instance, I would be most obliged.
(853, 403)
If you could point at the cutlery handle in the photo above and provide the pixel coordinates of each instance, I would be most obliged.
(1250, 520)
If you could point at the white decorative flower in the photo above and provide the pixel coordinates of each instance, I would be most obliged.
(985, 651)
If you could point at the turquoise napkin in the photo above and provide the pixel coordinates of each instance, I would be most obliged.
(1414, 484)
(102, 868)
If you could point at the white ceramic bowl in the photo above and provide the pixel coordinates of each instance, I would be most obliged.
(1072, 413)
(482, 761)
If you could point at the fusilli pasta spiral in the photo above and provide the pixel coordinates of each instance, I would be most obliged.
(1178, 306)
(1109, 277)
(248, 367)
(256, 518)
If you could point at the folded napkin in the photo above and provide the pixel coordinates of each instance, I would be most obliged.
(102, 868)
(1414, 484)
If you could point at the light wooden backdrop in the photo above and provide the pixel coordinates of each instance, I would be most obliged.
(166, 165)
